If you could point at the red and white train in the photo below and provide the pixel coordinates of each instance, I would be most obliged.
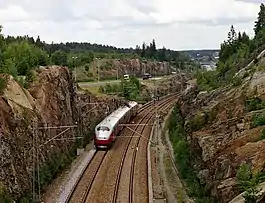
(108, 129)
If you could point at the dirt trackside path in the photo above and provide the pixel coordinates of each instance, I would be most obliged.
(166, 183)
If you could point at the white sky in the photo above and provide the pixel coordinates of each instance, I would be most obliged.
(175, 24)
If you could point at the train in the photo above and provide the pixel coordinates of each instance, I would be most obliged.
(109, 128)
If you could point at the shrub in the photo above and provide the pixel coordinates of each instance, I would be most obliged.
(243, 175)
(87, 67)
(207, 80)
(254, 104)
(22, 82)
(30, 77)
(258, 120)
(108, 88)
(237, 81)
(184, 158)
(248, 183)
(101, 89)
(198, 121)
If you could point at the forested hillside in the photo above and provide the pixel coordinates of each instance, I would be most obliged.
(236, 52)
(19, 55)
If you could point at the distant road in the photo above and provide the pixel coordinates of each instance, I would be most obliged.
(95, 84)
(100, 83)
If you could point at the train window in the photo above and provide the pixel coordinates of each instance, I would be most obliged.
(103, 128)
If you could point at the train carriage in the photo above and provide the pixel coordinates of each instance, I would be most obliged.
(108, 129)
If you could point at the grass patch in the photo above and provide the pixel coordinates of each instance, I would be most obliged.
(184, 158)
(130, 90)
(86, 80)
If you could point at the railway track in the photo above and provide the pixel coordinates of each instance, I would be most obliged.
(127, 190)
(87, 190)
(146, 119)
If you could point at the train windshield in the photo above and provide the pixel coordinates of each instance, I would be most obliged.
(103, 128)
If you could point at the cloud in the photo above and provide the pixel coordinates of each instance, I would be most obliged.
(175, 24)
(251, 1)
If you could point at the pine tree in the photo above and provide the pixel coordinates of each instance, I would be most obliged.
(260, 23)
(232, 35)
(153, 49)
(38, 42)
(143, 53)
(154, 45)
(138, 50)
(239, 37)
(245, 38)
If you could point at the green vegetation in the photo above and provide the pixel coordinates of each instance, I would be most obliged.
(248, 183)
(201, 118)
(254, 104)
(4, 197)
(2, 84)
(263, 134)
(207, 80)
(127, 89)
(19, 55)
(236, 52)
(237, 81)
(198, 121)
(258, 120)
(54, 165)
(184, 158)
(49, 170)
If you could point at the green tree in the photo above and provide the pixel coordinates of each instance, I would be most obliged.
(260, 23)
(245, 38)
(2, 46)
(38, 42)
(24, 56)
(138, 50)
(87, 58)
(161, 55)
(152, 49)
(59, 58)
(9, 67)
(232, 36)
(143, 53)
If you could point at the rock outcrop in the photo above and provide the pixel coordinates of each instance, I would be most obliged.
(111, 68)
(221, 133)
(50, 101)
(172, 84)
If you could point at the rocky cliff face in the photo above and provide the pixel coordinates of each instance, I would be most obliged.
(110, 68)
(172, 84)
(50, 101)
(222, 134)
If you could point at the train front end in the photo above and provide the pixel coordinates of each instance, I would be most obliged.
(103, 137)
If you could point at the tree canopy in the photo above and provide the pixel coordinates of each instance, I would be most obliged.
(21, 54)
(236, 52)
